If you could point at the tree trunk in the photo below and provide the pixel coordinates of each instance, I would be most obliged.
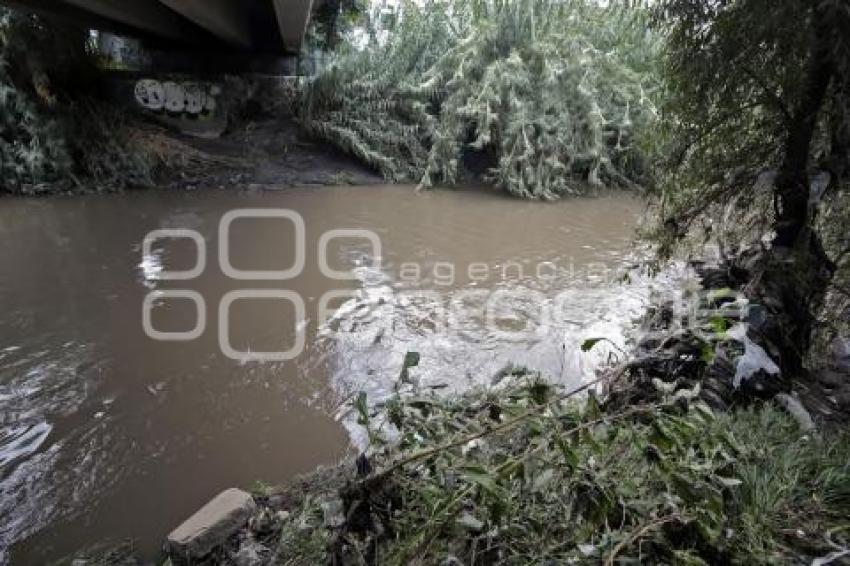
(801, 281)
(792, 185)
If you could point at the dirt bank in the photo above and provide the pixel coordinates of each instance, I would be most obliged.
(269, 153)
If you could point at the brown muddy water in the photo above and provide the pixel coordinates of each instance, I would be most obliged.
(108, 433)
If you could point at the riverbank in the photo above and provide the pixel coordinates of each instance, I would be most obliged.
(687, 452)
(697, 450)
(268, 153)
(560, 481)
(72, 124)
(523, 473)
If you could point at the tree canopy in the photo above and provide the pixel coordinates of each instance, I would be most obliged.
(756, 113)
(753, 87)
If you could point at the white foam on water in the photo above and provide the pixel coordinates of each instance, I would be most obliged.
(373, 330)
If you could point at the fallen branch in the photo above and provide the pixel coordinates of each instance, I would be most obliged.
(638, 534)
(507, 425)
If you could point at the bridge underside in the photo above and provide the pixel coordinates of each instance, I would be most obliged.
(260, 26)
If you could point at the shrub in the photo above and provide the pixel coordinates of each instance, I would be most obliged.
(54, 133)
(520, 475)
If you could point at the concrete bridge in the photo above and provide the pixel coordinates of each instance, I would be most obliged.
(254, 26)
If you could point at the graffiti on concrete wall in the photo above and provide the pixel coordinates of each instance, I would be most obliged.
(188, 99)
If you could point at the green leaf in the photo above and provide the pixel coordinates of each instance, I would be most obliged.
(707, 353)
(728, 482)
(588, 344)
(719, 324)
(570, 457)
(483, 479)
(411, 359)
(592, 410)
(362, 408)
(539, 391)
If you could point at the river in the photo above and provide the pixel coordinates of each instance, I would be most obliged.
(119, 424)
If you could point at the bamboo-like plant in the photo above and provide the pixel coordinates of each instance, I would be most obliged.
(558, 94)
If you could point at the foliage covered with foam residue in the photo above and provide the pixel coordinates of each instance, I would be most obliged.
(557, 96)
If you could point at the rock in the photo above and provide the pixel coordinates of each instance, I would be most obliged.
(756, 316)
(214, 523)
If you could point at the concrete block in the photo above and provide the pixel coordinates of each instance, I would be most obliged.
(213, 524)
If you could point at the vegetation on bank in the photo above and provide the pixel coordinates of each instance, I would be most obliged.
(756, 116)
(551, 96)
(686, 452)
(55, 133)
(757, 99)
(524, 474)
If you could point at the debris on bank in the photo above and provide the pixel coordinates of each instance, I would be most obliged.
(731, 348)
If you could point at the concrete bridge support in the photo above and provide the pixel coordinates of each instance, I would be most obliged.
(223, 18)
(251, 26)
(149, 17)
(292, 19)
